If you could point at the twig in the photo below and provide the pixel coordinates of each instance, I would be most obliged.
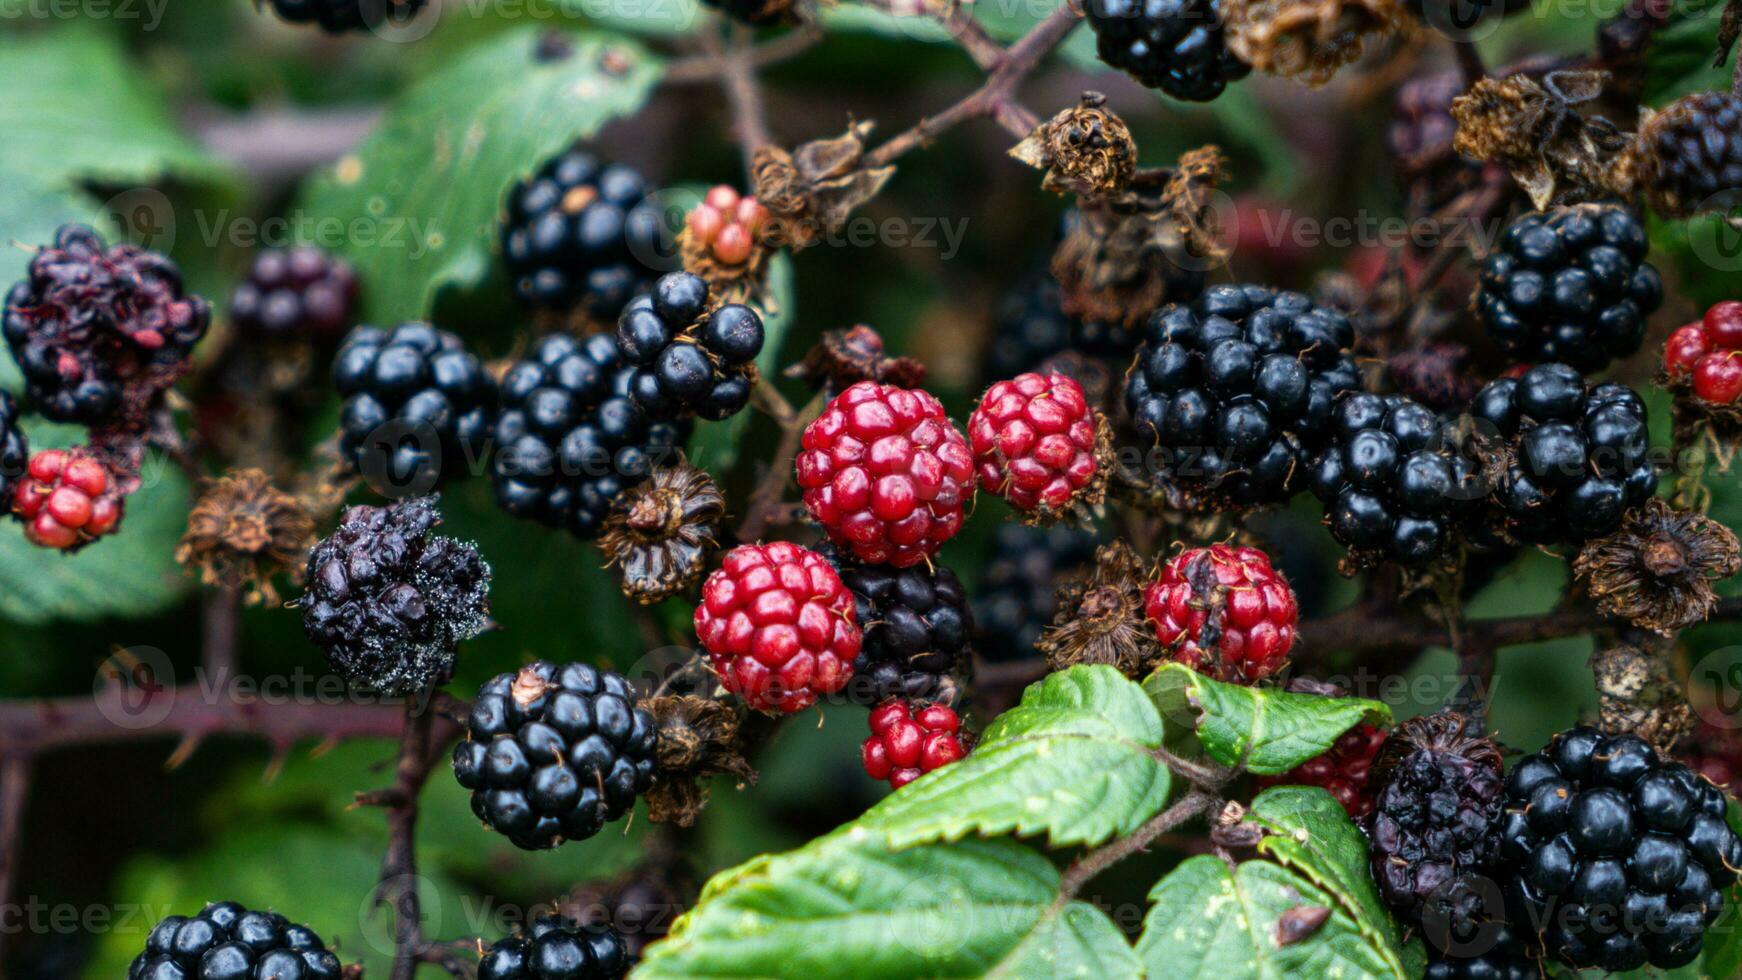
(14, 790)
(766, 496)
(1085, 868)
(1470, 62)
(709, 67)
(222, 627)
(398, 888)
(749, 122)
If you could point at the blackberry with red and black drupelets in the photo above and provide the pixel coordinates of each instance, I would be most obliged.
(339, 16)
(1225, 612)
(916, 629)
(1579, 456)
(298, 292)
(570, 438)
(580, 236)
(1570, 285)
(553, 753)
(418, 406)
(228, 942)
(1173, 45)
(1689, 156)
(1237, 390)
(689, 359)
(1618, 858)
(558, 948)
(1017, 593)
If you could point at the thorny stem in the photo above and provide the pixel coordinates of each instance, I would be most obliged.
(223, 609)
(749, 121)
(399, 881)
(1085, 868)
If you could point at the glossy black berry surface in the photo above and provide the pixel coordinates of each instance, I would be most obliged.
(557, 948)
(1697, 152)
(689, 360)
(297, 292)
(1173, 45)
(418, 407)
(228, 942)
(916, 626)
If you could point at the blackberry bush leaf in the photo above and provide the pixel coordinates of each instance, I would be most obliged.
(1267, 732)
(845, 905)
(433, 176)
(1209, 920)
(1073, 760)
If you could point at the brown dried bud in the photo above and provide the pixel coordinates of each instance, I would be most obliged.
(1657, 570)
(811, 190)
(1309, 40)
(844, 357)
(245, 530)
(694, 738)
(1637, 693)
(659, 532)
(1100, 619)
(1084, 150)
(1532, 129)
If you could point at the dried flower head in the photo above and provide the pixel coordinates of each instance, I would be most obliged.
(246, 530)
(1100, 619)
(845, 357)
(1085, 149)
(1637, 692)
(810, 191)
(694, 738)
(1309, 39)
(659, 532)
(1533, 129)
(1657, 570)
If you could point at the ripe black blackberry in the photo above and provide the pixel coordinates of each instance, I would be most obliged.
(1618, 858)
(1578, 457)
(100, 332)
(570, 439)
(1018, 588)
(1236, 389)
(557, 948)
(1173, 45)
(228, 942)
(554, 753)
(1031, 326)
(1496, 952)
(1689, 156)
(1570, 285)
(579, 235)
(14, 449)
(689, 360)
(388, 601)
(1436, 818)
(339, 16)
(418, 406)
(1392, 481)
(299, 292)
(917, 627)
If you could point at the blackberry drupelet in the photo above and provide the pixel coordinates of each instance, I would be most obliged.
(553, 753)
(388, 601)
(917, 628)
(14, 448)
(1018, 588)
(1236, 390)
(570, 439)
(1392, 483)
(690, 360)
(99, 332)
(418, 406)
(1174, 45)
(579, 235)
(1570, 285)
(299, 292)
(1619, 859)
(229, 942)
(339, 16)
(1689, 156)
(557, 948)
(1496, 952)
(1578, 457)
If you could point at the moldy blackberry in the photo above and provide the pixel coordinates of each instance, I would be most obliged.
(579, 235)
(388, 601)
(228, 942)
(554, 753)
(1689, 156)
(1619, 859)
(299, 292)
(570, 438)
(1577, 457)
(1173, 45)
(339, 16)
(99, 332)
(557, 948)
(1570, 285)
(917, 628)
(1391, 484)
(1236, 389)
(689, 359)
(1018, 588)
(417, 409)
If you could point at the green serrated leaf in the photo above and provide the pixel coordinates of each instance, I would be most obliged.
(1074, 761)
(715, 445)
(1312, 834)
(1266, 731)
(847, 906)
(427, 187)
(1208, 920)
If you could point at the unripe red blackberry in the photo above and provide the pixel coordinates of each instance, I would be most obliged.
(299, 292)
(1224, 612)
(1035, 442)
(909, 740)
(228, 942)
(67, 498)
(1345, 769)
(728, 224)
(1708, 353)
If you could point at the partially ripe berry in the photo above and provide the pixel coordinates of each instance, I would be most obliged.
(67, 499)
(906, 743)
(1225, 612)
(1684, 347)
(728, 225)
(1718, 377)
(1034, 444)
(1345, 769)
(1723, 324)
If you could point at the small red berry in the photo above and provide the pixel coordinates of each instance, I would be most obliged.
(778, 626)
(66, 500)
(1224, 611)
(906, 744)
(727, 224)
(1684, 347)
(886, 474)
(1718, 377)
(1034, 444)
(1344, 769)
(1723, 325)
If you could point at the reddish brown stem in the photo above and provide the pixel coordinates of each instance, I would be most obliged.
(1085, 868)
(14, 791)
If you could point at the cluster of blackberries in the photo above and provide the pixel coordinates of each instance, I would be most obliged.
(228, 942)
(554, 753)
(557, 948)
(1237, 389)
(418, 406)
(1571, 285)
(916, 627)
(1579, 457)
(688, 359)
(581, 236)
(1018, 588)
(299, 292)
(1691, 154)
(339, 16)
(1174, 45)
(570, 437)
(1622, 859)
(1392, 482)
